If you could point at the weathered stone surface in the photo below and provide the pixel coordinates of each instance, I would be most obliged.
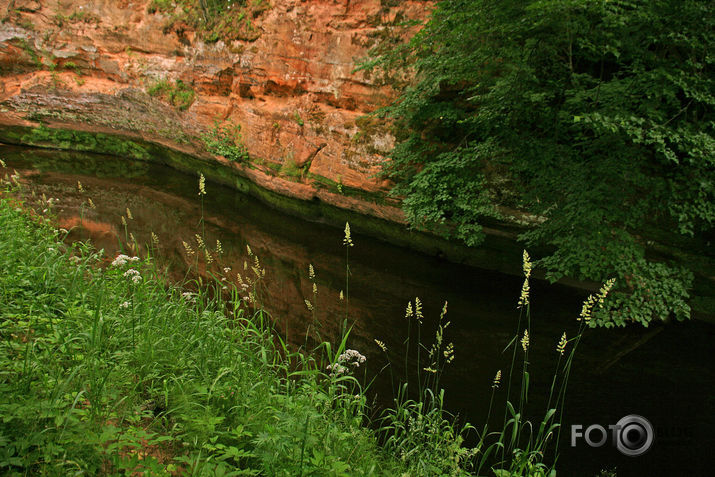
(291, 87)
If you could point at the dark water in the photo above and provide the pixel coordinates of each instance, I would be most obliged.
(663, 373)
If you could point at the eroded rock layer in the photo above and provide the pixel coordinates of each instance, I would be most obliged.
(286, 77)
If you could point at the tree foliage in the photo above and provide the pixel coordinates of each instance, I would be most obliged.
(594, 114)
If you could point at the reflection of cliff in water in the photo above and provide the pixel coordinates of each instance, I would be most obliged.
(617, 372)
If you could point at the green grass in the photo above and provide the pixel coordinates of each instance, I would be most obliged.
(100, 375)
(110, 369)
(161, 6)
(291, 169)
(214, 20)
(178, 94)
(30, 51)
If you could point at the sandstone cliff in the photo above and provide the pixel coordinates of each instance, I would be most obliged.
(287, 79)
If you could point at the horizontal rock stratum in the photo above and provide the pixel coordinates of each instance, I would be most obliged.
(285, 74)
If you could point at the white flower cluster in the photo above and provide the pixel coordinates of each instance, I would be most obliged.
(349, 358)
(125, 305)
(337, 369)
(134, 275)
(122, 260)
(352, 357)
(189, 296)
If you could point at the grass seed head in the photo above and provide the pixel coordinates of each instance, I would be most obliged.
(200, 241)
(418, 309)
(408, 312)
(525, 340)
(449, 353)
(526, 264)
(202, 184)
(497, 379)
(587, 308)
(561, 347)
(524, 296)
(347, 241)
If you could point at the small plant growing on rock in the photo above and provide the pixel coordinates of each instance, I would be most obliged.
(291, 169)
(298, 119)
(179, 94)
(225, 139)
(161, 6)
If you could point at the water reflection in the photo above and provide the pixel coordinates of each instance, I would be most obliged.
(663, 375)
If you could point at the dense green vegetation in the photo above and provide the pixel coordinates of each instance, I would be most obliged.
(106, 368)
(595, 116)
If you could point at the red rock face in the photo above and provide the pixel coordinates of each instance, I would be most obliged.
(293, 89)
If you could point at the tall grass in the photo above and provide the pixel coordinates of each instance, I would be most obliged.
(110, 369)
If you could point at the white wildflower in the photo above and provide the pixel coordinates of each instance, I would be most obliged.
(134, 275)
(122, 260)
(337, 369)
(352, 357)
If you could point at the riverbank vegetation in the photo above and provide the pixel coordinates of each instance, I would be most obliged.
(107, 368)
(595, 117)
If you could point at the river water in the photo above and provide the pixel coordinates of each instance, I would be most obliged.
(663, 373)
